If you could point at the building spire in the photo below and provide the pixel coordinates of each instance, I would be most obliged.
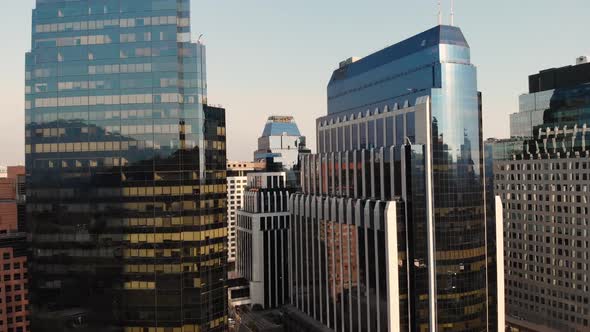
(439, 13)
(452, 12)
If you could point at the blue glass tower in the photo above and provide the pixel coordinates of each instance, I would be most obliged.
(125, 170)
(280, 141)
(389, 233)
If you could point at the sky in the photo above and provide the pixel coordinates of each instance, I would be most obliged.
(273, 57)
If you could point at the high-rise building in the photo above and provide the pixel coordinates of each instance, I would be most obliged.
(126, 187)
(262, 230)
(542, 88)
(236, 182)
(389, 231)
(544, 183)
(262, 220)
(14, 303)
(280, 141)
(495, 237)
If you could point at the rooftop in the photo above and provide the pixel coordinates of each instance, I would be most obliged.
(441, 34)
(560, 78)
(281, 126)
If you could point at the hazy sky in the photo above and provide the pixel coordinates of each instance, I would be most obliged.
(276, 56)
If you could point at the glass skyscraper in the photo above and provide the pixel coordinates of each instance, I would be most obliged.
(389, 232)
(281, 141)
(125, 163)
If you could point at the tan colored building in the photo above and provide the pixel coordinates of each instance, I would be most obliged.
(236, 183)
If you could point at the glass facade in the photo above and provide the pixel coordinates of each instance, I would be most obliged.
(459, 208)
(125, 164)
(281, 141)
(418, 114)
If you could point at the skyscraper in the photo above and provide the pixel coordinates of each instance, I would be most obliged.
(236, 183)
(262, 230)
(125, 170)
(542, 88)
(280, 140)
(389, 232)
(544, 182)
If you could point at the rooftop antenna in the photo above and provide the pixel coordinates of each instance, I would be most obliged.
(439, 13)
(452, 12)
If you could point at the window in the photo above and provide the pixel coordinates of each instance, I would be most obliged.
(399, 129)
(411, 126)
(355, 136)
(363, 135)
(371, 134)
(379, 133)
(389, 131)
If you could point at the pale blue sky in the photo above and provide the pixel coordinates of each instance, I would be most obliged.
(276, 56)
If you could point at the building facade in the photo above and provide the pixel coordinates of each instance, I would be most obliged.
(543, 87)
(262, 231)
(14, 296)
(126, 173)
(236, 182)
(389, 231)
(544, 182)
(280, 141)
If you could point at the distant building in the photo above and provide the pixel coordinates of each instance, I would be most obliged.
(236, 182)
(242, 168)
(14, 293)
(544, 183)
(262, 229)
(545, 89)
(262, 218)
(388, 232)
(281, 141)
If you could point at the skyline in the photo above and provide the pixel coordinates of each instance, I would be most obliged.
(194, 166)
(291, 79)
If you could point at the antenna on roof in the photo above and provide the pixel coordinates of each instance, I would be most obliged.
(439, 13)
(452, 12)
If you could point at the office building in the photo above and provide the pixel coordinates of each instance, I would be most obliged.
(389, 230)
(262, 229)
(544, 182)
(280, 141)
(14, 303)
(542, 89)
(126, 173)
(495, 253)
(263, 219)
(236, 182)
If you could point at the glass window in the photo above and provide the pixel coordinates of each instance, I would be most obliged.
(322, 134)
(411, 126)
(389, 131)
(333, 139)
(346, 138)
(379, 133)
(371, 133)
(399, 129)
(363, 135)
(340, 139)
(355, 136)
